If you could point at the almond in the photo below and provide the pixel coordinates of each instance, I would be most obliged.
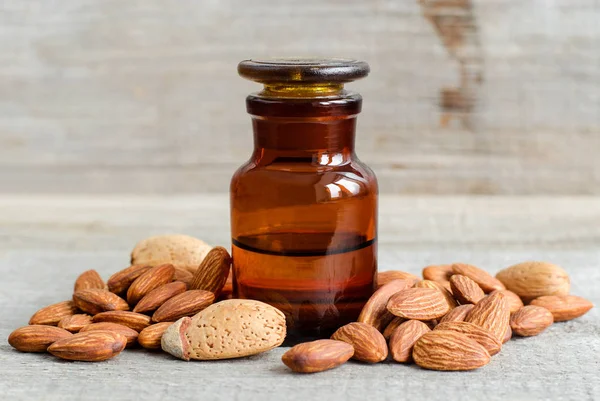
(133, 320)
(94, 301)
(439, 273)
(184, 276)
(385, 277)
(213, 271)
(531, 280)
(149, 338)
(89, 346)
(229, 329)
(120, 281)
(486, 281)
(457, 314)
(418, 304)
(465, 290)
(317, 356)
(449, 350)
(487, 339)
(158, 296)
(375, 311)
(530, 320)
(36, 338)
(392, 326)
(153, 278)
(492, 314)
(51, 314)
(186, 304)
(514, 301)
(437, 286)
(404, 338)
(89, 279)
(369, 344)
(179, 250)
(130, 334)
(507, 335)
(564, 307)
(74, 323)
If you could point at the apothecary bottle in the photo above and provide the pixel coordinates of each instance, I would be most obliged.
(304, 207)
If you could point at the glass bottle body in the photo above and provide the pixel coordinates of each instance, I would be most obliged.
(304, 214)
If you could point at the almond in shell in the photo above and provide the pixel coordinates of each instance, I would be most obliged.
(369, 344)
(36, 338)
(531, 280)
(317, 356)
(179, 250)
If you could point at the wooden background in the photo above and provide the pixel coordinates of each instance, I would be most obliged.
(142, 96)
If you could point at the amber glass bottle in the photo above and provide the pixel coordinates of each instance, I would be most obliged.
(304, 208)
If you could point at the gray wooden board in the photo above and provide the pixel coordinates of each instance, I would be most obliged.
(45, 243)
(142, 96)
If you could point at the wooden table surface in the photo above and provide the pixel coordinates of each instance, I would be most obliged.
(45, 242)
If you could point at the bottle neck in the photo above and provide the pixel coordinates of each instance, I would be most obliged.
(326, 141)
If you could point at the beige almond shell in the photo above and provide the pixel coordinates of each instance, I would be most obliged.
(530, 280)
(179, 250)
(229, 329)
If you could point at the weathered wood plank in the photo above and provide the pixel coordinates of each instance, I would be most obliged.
(493, 97)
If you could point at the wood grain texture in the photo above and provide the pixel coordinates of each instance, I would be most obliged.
(55, 238)
(484, 97)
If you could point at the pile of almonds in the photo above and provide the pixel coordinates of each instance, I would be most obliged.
(456, 318)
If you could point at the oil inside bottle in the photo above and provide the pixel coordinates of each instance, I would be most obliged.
(334, 270)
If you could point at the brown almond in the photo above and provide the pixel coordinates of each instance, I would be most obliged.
(418, 304)
(375, 311)
(89, 279)
(153, 278)
(531, 280)
(74, 323)
(119, 282)
(150, 337)
(158, 296)
(90, 346)
(486, 281)
(514, 301)
(130, 334)
(392, 326)
(479, 334)
(133, 320)
(440, 287)
(404, 338)
(51, 314)
(94, 301)
(465, 290)
(564, 307)
(317, 356)
(187, 304)
(457, 314)
(439, 273)
(507, 335)
(385, 277)
(183, 275)
(36, 338)
(492, 314)
(213, 271)
(530, 320)
(449, 350)
(369, 344)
